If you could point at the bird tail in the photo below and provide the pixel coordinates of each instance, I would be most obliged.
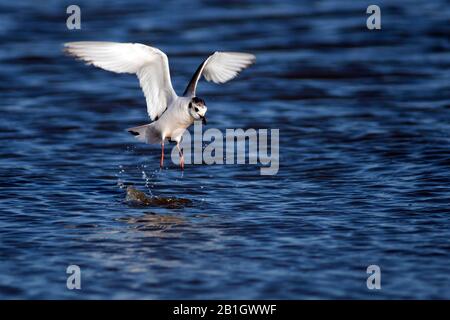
(147, 133)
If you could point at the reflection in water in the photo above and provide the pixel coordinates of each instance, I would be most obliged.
(155, 225)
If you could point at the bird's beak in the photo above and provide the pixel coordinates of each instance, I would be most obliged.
(204, 120)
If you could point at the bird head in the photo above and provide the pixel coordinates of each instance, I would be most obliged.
(197, 109)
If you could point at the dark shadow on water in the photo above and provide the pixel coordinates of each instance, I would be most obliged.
(156, 225)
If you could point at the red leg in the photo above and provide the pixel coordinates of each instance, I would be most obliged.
(161, 163)
(180, 152)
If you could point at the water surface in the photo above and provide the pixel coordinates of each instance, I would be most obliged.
(364, 119)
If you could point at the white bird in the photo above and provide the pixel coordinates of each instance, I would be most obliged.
(171, 114)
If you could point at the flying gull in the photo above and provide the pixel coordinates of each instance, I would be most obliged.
(171, 114)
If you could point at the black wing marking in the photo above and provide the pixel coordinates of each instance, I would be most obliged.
(192, 86)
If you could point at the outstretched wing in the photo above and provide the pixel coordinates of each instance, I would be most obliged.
(220, 67)
(149, 64)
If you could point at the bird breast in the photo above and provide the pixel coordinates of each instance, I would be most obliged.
(176, 119)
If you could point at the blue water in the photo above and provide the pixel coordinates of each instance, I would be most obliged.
(364, 119)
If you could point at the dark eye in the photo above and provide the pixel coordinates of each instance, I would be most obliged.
(196, 109)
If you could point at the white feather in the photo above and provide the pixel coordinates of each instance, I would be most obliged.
(224, 66)
(149, 64)
(220, 67)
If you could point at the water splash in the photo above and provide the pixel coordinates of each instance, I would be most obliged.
(135, 197)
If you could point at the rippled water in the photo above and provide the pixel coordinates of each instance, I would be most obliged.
(364, 119)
